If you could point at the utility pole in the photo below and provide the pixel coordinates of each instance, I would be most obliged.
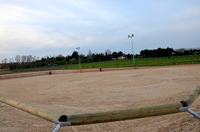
(131, 36)
(79, 58)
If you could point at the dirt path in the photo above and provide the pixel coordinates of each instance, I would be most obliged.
(103, 91)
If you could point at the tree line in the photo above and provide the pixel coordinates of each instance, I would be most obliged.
(162, 52)
(29, 61)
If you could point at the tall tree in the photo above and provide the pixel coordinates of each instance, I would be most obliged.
(114, 55)
(29, 58)
(75, 55)
(108, 54)
(17, 58)
(120, 53)
(4, 61)
(24, 58)
(89, 56)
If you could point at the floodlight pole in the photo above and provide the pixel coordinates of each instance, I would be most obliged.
(79, 58)
(131, 36)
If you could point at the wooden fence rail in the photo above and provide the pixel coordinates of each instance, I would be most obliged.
(123, 114)
(109, 116)
(42, 113)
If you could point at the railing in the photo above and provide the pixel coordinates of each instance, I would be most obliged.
(83, 119)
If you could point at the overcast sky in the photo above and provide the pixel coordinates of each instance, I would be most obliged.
(52, 27)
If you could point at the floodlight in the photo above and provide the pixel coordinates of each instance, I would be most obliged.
(79, 58)
(130, 36)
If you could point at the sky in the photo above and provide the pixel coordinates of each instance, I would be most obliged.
(52, 27)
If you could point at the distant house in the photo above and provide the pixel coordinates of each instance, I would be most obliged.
(121, 58)
(73, 59)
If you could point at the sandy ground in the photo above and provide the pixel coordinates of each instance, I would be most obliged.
(103, 91)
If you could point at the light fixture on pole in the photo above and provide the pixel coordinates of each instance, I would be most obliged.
(79, 58)
(131, 36)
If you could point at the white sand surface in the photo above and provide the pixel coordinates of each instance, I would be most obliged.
(79, 93)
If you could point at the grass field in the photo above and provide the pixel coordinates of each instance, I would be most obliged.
(140, 62)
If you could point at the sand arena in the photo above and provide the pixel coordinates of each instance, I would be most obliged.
(79, 93)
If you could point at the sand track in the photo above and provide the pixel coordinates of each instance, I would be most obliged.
(79, 93)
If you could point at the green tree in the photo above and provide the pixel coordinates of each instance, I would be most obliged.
(75, 55)
(114, 55)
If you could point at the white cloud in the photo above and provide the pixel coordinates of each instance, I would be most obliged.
(16, 38)
(49, 26)
(91, 7)
(16, 14)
